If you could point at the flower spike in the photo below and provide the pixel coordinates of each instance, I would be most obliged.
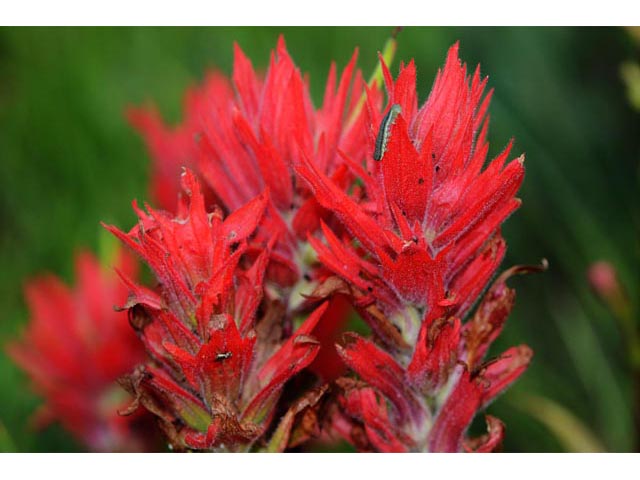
(215, 378)
(420, 243)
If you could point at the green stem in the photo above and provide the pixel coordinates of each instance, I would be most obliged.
(376, 78)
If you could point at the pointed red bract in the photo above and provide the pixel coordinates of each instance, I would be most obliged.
(491, 441)
(383, 373)
(435, 354)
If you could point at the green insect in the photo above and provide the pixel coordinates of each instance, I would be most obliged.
(385, 130)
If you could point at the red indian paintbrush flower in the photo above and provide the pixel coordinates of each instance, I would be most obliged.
(219, 365)
(412, 245)
(250, 132)
(75, 348)
(422, 241)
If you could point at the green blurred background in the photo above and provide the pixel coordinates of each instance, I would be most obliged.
(68, 159)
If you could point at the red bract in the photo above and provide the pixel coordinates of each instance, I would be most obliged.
(75, 348)
(422, 241)
(219, 364)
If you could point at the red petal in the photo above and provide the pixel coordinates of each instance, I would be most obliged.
(406, 174)
(404, 91)
(472, 280)
(328, 365)
(491, 441)
(249, 292)
(243, 222)
(381, 371)
(436, 354)
(455, 415)
(220, 366)
(366, 407)
(381, 431)
(501, 374)
(280, 359)
(488, 194)
(189, 408)
(361, 225)
(245, 82)
(415, 276)
(139, 295)
(297, 353)
(487, 322)
(342, 261)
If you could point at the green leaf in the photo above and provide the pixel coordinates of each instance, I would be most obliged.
(572, 432)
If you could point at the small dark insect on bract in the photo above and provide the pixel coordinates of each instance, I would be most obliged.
(223, 356)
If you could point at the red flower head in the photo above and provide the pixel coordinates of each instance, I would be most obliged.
(429, 218)
(251, 131)
(405, 219)
(76, 347)
(218, 365)
(422, 241)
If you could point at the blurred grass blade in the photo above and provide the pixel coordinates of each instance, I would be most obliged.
(634, 32)
(388, 52)
(376, 79)
(611, 413)
(572, 433)
(6, 443)
(108, 248)
(630, 73)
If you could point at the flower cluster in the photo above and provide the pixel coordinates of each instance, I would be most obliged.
(245, 135)
(249, 134)
(76, 347)
(219, 364)
(404, 220)
(287, 218)
(422, 241)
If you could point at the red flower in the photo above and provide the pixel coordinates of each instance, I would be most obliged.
(426, 227)
(75, 348)
(219, 366)
(250, 132)
(406, 225)
(432, 400)
(429, 218)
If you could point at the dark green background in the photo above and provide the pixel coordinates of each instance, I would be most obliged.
(68, 160)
